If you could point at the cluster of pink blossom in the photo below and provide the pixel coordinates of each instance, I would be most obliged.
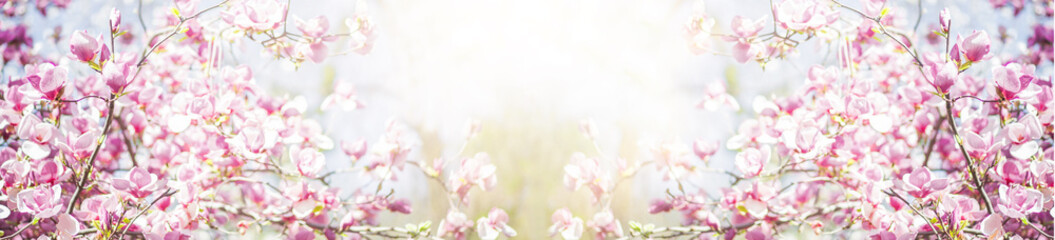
(912, 134)
(175, 143)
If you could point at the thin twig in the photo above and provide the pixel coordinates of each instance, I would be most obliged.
(95, 154)
(933, 140)
(144, 210)
(19, 231)
(970, 163)
(920, 16)
(914, 210)
(128, 142)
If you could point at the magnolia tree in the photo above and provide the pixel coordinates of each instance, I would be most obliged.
(148, 132)
(914, 132)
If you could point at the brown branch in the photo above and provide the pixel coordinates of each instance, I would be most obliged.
(933, 140)
(85, 97)
(95, 154)
(128, 142)
(970, 164)
(19, 231)
(914, 210)
(144, 210)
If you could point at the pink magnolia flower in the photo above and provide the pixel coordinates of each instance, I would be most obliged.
(494, 224)
(979, 147)
(945, 20)
(356, 149)
(569, 226)
(744, 28)
(804, 15)
(314, 51)
(962, 208)
(954, 52)
(48, 79)
(13, 172)
(362, 28)
(745, 51)
(1013, 78)
(920, 183)
(698, 31)
(256, 15)
(97, 208)
(255, 139)
(309, 161)
(943, 76)
(51, 172)
(301, 233)
(976, 46)
(255, 192)
(38, 136)
(315, 27)
(993, 224)
(67, 226)
(807, 142)
(750, 161)
(400, 206)
(1017, 201)
(605, 225)
(705, 149)
(1021, 134)
(116, 76)
(83, 46)
(478, 171)
(41, 202)
(716, 96)
(343, 96)
(456, 224)
(1044, 172)
(1012, 171)
(115, 20)
(584, 171)
(139, 183)
(392, 150)
(761, 232)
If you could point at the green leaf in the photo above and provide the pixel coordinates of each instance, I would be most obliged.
(965, 65)
(95, 66)
(425, 226)
(634, 226)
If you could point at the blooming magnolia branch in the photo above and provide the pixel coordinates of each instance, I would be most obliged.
(866, 135)
(198, 147)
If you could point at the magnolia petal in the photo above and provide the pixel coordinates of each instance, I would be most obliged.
(485, 230)
(35, 151)
(178, 123)
(881, 123)
(67, 226)
(573, 232)
(303, 208)
(755, 208)
(993, 225)
(1025, 150)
